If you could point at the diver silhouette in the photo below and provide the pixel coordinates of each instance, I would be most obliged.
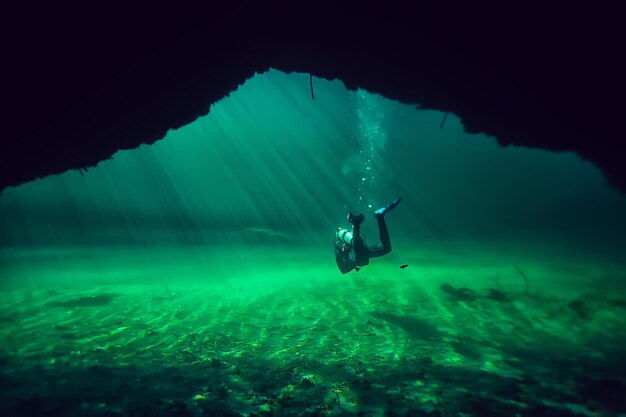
(351, 252)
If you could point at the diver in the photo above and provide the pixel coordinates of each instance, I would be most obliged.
(351, 252)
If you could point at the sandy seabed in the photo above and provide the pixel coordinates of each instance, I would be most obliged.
(275, 337)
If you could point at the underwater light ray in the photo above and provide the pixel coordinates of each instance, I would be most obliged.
(264, 186)
(272, 171)
(307, 194)
(246, 160)
(267, 151)
(317, 193)
(313, 142)
(179, 199)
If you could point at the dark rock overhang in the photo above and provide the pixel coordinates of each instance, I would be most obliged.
(81, 84)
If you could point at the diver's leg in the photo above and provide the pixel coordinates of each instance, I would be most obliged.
(357, 239)
(360, 250)
(382, 211)
(358, 245)
(384, 247)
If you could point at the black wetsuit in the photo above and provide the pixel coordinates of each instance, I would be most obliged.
(359, 254)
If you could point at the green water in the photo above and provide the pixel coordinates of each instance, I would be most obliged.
(196, 276)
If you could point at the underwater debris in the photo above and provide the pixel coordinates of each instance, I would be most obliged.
(311, 84)
(403, 266)
(460, 294)
(580, 308)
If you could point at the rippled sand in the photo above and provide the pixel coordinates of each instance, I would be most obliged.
(287, 335)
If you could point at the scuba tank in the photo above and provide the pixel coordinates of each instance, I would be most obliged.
(345, 236)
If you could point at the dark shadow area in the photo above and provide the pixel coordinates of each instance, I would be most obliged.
(415, 327)
(89, 301)
(458, 294)
(548, 380)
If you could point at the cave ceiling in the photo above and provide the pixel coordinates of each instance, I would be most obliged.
(81, 84)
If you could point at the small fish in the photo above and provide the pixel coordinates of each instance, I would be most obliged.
(403, 266)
